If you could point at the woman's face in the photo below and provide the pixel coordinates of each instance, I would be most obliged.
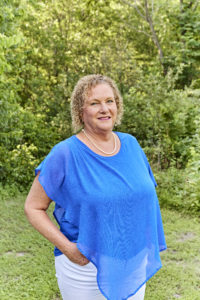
(100, 109)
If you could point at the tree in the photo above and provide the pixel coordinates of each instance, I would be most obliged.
(147, 15)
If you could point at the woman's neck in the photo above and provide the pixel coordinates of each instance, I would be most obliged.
(101, 136)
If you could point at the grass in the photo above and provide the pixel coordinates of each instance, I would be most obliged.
(180, 276)
(27, 264)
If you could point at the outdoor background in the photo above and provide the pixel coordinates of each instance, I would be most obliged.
(152, 50)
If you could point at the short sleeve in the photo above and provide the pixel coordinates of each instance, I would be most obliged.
(52, 175)
(149, 168)
(147, 165)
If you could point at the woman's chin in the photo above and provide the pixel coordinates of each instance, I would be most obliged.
(105, 128)
(105, 125)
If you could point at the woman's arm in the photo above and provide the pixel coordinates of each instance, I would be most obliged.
(36, 204)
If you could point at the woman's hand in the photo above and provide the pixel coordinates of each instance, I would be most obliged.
(76, 256)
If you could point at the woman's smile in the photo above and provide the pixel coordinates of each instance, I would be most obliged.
(104, 118)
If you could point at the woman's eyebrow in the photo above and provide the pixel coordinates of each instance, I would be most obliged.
(95, 99)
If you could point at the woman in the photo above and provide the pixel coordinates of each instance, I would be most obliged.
(105, 202)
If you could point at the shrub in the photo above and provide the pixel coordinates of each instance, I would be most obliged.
(20, 165)
(161, 118)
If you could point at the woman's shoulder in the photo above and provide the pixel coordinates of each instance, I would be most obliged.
(129, 140)
(126, 136)
(63, 146)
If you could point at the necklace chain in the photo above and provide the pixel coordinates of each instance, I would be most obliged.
(93, 143)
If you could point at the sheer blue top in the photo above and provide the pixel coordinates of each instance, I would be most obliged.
(108, 206)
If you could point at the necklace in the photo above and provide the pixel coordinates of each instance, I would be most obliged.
(93, 143)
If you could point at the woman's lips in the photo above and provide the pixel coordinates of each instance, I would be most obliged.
(104, 118)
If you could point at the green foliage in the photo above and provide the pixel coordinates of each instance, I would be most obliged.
(11, 41)
(171, 189)
(161, 118)
(20, 165)
(193, 168)
(179, 189)
(8, 191)
(46, 46)
(185, 44)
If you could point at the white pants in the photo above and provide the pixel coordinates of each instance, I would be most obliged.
(79, 282)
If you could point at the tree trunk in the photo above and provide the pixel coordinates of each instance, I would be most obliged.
(155, 37)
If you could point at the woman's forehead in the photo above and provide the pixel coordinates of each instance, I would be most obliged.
(101, 90)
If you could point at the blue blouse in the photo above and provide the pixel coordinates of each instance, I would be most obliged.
(109, 207)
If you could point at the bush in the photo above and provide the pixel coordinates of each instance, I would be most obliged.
(162, 118)
(8, 191)
(20, 164)
(177, 190)
(193, 169)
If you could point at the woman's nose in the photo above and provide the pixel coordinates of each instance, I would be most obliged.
(103, 107)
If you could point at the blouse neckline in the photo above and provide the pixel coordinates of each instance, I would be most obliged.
(83, 145)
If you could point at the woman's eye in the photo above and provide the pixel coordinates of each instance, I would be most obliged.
(110, 101)
(93, 103)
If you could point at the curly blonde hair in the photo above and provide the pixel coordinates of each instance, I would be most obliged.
(80, 92)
